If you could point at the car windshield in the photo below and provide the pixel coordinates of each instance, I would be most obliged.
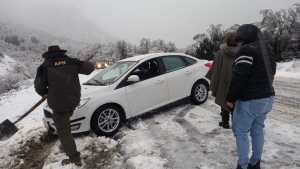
(111, 74)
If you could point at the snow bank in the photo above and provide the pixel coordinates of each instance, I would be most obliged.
(14, 103)
(13, 148)
(6, 65)
(11, 73)
(289, 69)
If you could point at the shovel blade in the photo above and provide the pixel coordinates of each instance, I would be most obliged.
(7, 129)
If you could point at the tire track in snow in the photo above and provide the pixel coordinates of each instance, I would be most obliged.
(204, 138)
(287, 92)
(193, 148)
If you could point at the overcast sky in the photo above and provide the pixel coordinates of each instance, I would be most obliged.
(174, 20)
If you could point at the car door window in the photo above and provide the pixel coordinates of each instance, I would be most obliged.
(189, 61)
(147, 70)
(173, 63)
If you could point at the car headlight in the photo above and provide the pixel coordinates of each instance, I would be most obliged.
(83, 102)
(99, 66)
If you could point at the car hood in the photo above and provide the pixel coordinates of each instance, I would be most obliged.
(90, 91)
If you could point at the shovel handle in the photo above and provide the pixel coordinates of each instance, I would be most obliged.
(31, 109)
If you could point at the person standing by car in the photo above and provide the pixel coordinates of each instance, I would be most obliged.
(221, 75)
(58, 78)
(251, 94)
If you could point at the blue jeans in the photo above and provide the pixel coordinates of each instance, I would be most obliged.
(249, 116)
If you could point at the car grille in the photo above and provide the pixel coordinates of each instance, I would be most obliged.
(47, 114)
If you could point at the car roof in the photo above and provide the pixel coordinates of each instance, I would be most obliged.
(150, 56)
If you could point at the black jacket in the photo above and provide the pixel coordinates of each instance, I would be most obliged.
(250, 79)
(58, 78)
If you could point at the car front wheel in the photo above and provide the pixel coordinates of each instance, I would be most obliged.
(199, 93)
(107, 120)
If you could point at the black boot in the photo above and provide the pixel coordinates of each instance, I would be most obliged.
(256, 166)
(224, 125)
(225, 119)
(75, 160)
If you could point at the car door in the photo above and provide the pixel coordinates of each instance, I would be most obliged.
(178, 76)
(151, 91)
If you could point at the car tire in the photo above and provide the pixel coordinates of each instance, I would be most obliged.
(199, 93)
(107, 120)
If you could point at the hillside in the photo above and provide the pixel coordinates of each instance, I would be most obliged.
(18, 41)
(21, 49)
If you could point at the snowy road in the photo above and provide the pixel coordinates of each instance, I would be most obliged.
(188, 136)
(176, 137)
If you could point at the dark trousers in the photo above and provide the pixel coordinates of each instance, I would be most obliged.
(62, 124)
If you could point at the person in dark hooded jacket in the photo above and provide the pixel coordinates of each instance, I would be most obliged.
(58, 78)
(251, 94)
(221, 75)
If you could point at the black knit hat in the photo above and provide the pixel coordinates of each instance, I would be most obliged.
(53, 49)
(247, 33)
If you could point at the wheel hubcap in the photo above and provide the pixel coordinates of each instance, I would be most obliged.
(200, 92)
(108, 120)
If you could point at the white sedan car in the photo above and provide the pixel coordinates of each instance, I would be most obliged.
(134, 86)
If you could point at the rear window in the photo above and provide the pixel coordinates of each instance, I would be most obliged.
(173, 63)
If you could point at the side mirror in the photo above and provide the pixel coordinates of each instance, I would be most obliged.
(133, 79)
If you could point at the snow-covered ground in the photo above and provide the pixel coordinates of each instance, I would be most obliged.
(289, 69)
(182, 136)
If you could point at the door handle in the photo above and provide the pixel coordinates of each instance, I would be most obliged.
(188, 72)
(159, 81)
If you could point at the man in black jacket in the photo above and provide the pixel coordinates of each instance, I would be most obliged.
(58, 78)
(251, 91)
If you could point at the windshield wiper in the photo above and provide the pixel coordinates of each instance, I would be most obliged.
(96, 82)
(92, 84)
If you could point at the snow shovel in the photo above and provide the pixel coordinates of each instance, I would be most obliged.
(8, 128)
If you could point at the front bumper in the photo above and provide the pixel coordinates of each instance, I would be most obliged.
(77, 123)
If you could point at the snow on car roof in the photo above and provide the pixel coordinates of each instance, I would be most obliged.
(151, 55)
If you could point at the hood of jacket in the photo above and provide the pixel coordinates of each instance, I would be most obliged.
(228, 51)
(247, 33)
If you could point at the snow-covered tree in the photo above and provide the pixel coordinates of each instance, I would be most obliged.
(158, 46)
(171, 47)
(145, 45)
(277, 28)
(216, 36)
(122, 49)
(206, 44)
